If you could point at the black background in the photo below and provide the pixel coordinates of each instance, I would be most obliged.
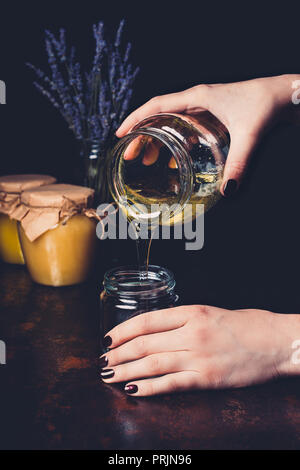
(251, 253)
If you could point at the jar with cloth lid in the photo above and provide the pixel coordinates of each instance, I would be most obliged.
(57, 229)
(11, 188)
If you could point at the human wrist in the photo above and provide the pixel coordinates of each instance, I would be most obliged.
(288, 328)
(285, 92)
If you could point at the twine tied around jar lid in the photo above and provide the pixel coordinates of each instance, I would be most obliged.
(41, 209)
(8, 202)
(11, 187)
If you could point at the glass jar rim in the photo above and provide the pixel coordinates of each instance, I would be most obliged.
(133, 281)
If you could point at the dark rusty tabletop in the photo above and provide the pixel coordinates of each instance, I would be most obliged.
(52, 396)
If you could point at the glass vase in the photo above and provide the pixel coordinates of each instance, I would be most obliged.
(96, 160)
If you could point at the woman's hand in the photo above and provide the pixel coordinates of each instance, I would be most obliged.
(247, 109)
(194, 347)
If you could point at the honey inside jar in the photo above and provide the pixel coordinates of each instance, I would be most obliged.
(11, 187)
(58, 233)
(10, 248)
(63, 255)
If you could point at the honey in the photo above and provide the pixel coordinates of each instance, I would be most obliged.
(10, 248)
(63, 255)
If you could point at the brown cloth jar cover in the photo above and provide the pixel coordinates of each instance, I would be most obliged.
(11, 187)
(41, 209)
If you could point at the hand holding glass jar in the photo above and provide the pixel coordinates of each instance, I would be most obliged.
(247, 109)
(189, 155)
(199, 347)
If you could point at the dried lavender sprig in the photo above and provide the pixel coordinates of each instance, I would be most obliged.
(39, 72)
(100, 46)
(52, 100)
(58, 44)
(47, 94)
(41, 75)
(92, 103)
(119, 33)
(75, 113)
(127, 52)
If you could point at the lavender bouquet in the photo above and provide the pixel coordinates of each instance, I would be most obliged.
(93, 103)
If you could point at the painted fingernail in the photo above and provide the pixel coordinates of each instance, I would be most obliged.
(107, 373)
(103, 361)
(230, 188)
(130, 389)
(107, 341)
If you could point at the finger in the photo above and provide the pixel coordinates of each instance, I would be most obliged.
(135, 147)
(150, 366)
(173, 102)
(151, 153)
(143, 346)
(150, 322)
(241, 147)
(169, 383)
(172, 163)
(140, 143)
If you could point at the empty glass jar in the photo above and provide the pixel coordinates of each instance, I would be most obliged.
(128, 291)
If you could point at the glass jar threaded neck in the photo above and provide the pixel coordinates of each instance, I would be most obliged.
(139, 284)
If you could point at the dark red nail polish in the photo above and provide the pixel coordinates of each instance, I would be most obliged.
(107, 373)
(103, 362)
(107, 341)
(130, 389)
(230, 188)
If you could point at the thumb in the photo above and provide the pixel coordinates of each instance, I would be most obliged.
(241, 147)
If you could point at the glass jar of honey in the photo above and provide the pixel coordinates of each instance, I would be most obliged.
(58, 233)
(11, 187)
(171, 160)
(129, 291)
